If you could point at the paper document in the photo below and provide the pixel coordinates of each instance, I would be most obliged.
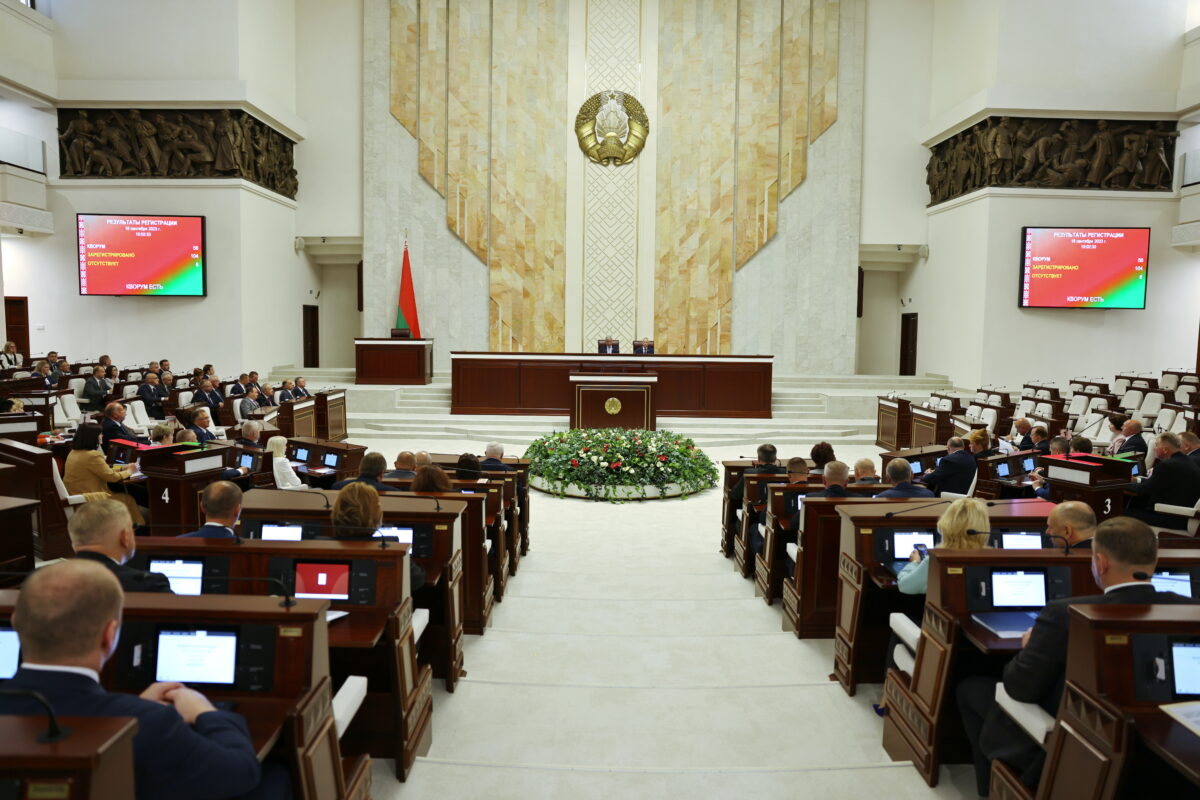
(331, 615)
(1186, 714)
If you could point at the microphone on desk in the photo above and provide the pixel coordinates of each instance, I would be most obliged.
(891, 514)
(54, 732)
(322, 495)
(287, 602)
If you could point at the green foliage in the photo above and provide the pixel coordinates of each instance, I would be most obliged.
(599, 460)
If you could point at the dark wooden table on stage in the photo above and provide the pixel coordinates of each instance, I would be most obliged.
(539, 383)
(393, 361)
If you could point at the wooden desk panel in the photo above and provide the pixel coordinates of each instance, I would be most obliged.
(393, 361)
(537, 383)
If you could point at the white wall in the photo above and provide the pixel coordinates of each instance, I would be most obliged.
(329, 70)
(266, 50)
(26, 49)
(340, 317)
(895, 107)
(964, 48)
(879, 326)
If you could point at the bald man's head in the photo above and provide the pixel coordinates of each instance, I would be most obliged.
(66, 610)
(422, 459)
(1072, 520)
(406, 460)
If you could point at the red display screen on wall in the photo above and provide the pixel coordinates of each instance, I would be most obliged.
(1084, 267)
(128, 254)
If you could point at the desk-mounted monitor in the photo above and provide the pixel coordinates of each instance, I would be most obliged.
(1019, 588)
(332, 460)
(141, 255)
(323, 580)
(1083, 268)
(1185, 666)
(197, 656)
(300, 454)
(10, 653)
(185, 575)
(1177, 581)
(281, 531)
(1028, 463)
(395, 533)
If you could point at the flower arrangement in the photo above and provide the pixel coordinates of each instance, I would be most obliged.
(618, 463)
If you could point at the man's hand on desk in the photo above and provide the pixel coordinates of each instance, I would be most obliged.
(1025, 637)
(189, 703)
(157, 692)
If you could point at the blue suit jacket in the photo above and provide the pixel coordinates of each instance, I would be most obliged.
(202, 434)
(213, 758)
(283, 395)
(151, 399)
(954, 474)
(368, 480)
(209, 532)
(111, 429)
(213, 400)
(1134, 444)
(906, 489)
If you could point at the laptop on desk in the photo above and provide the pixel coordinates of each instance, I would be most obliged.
(1018, 596)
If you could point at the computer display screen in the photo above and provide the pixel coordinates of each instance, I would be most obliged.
(10, 653)
(272, 532)
(1021, 541)
(903, 543)
(1002, 470)
(402, 535)
(185, 576)
(332, 460)
(1185, 663)
(322, 581)
(1178, 582)
(916, 467)
(196, 656)
(300, 454)
(1028, 463)
(1019, 589)
(246, 460)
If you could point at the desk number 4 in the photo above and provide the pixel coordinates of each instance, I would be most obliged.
(1107, 504)
(166, 495)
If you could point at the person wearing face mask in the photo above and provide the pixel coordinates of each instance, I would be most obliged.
(102, 531)
(1124, 555)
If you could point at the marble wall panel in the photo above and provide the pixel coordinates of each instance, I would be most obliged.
(793, 102)
(757, 196)
(468, 122)
(431, 111)
(527, 260)
(402, 21)
(696, 161)
(823, 79)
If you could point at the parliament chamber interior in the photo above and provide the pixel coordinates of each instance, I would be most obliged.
(599, 399)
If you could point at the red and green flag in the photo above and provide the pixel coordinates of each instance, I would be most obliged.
(406, 306)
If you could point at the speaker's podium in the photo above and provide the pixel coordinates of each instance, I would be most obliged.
(624, 400)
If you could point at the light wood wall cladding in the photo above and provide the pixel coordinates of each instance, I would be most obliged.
(793, 101)
(527, 260)
(431, 110)
(403, 38)
(756, 198)
(697, 70)
(468, 142)
(823, 74)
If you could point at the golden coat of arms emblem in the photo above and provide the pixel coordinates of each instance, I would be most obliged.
(613, 406)
(612, 128)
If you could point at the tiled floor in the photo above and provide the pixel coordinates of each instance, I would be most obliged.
(628, 660)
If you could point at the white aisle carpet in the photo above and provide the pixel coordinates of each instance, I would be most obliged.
(629, 660)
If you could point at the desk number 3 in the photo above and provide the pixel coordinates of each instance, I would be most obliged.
(166, 495)
(1107, 504)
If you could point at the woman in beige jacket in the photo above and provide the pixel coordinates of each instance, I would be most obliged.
(88, 472)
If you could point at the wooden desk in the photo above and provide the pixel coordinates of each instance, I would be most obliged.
(16, 536)
(613, 401)
(732, 472)
(1098, 481)
(867, 589)
(23, 426)
(893, 423)
(94, 763)
(34, 480)
(331, 415)
(297, 418)
(175, 476)
(351, 456)
(519, 494)
(926, 457)
(753, 502)
(1041, 391)
(930, 426)
(538, 383)
(393, 361)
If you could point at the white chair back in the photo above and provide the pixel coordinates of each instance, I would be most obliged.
(1179, 424)
(1098, 404)
(76, 386)
(981, 396)
(70, 408)
(1044, 410)
(1169, 382)
(1091, 388)
(134, 376)
(1183, 393)
(1077, 406)
(1132, 400)
(1140, 383)
(1166, 418)
(973, 411)
(1042, 394)
(1075, 386)
(137, 411)
(1192, 379)
(129, 391)
(1025, 407)
(995, 399)
(1120, 385)
(989, 419)
(1150, 409)
(237, 412)
(185, 398)
(183, 383)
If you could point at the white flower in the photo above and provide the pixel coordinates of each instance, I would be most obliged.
(629, 469)
(604, 464)
(595, 458)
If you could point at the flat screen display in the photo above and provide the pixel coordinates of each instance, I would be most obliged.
(125, 254)
(1021, 541)
(916, 468)
(246, 460)
(10, 653)
(196, 656)
(1185, 663)
(185, 576)
(332, 460)
(1027, 464)
(272, 532)
(1002, 470)
(904, 543)
(1019, 589)
(402, 535)
(300, 454)
(322, 581)
(1178, 582)
(1084, 267)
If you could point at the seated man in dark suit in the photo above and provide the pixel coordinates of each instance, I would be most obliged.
(266, 396)
(201, 426)
(94, 390)
(954, 473)
(209, 396)
(406, 466)
(68, 622)
(643, 348)
(253, 381)
(1124, 554)
(1081, 444)
(864, 471)
(102, 531)
(765, 464)
(1039, 440)
(836, 477)
(1190, 446)
(301, 389)
(221, 502)
(60, 369)
(240, 386)
(1072, 525)
(797, 472)
(286, 391)
(251, 433)
(249, 403)
(373, 466)
(493, 460)
(1174, 480)
(1021, 438)
(609, 345)
(900, 474)
(113, 426)
(1134, 443)
(149, 394)
(1059, 446)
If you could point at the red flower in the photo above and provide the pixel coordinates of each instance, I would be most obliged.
(584, 450)
(615, 465)
(662, 458)
(574, 463)
(606, 448)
